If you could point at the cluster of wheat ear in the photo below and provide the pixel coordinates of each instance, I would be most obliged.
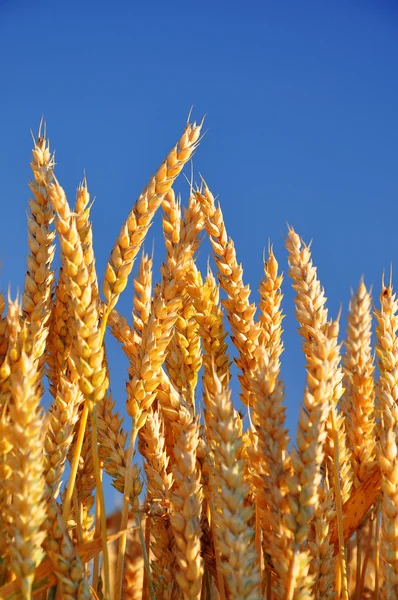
(209, 510)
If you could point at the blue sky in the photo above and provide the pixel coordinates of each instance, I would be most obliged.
(301, 103)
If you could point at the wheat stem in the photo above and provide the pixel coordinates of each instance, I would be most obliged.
(339, 506)
(100, 496)
(124, 518)
(75, 464)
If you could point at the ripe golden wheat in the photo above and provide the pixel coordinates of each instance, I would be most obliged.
(209, 510)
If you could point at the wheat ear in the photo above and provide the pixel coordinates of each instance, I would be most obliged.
(358, 400)
(312, 316)
(323, 564)
(240, 312)
(67, 566)
(234, 531)
(39, 276)
(139, 220)
(184, 358)
(387, 392)
(87, 353)
(186, 499)
(111, 450)
(12, 338)
(27, 509)
(359, 397)
(59, 436)
(160, 480)
(307, 458)
(3, 330)
(133, 576)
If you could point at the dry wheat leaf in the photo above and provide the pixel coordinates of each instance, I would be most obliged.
(357, 506)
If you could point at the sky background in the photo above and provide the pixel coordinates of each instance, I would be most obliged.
(301, 102)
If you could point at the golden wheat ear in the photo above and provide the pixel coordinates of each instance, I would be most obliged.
(139, 220)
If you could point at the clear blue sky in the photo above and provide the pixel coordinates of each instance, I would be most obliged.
(301, 101)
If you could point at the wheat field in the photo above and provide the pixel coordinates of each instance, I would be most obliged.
(212, 508)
